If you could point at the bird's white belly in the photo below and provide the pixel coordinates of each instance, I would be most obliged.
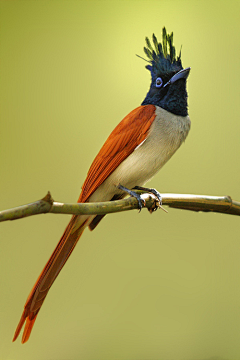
(166, 134)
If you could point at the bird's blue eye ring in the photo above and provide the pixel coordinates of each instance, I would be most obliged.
(159, 82)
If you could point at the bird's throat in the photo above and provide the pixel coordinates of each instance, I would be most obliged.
(173, 99)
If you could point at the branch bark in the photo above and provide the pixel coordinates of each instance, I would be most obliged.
(221, 204)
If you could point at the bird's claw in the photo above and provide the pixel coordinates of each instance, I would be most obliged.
(141, 201)
(157, 194)
(158, 198)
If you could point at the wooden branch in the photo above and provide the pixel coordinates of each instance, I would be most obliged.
(222, 204)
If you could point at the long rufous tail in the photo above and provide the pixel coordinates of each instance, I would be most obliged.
(47, 277)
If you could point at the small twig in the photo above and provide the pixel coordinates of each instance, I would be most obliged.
(223, 204)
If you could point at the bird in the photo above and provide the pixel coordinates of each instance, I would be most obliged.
(133, 153)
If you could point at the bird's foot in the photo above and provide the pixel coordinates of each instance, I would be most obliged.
(141, 202)
(156, 194)
(152, 191)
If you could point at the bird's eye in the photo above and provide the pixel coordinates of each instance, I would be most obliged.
(159, 82)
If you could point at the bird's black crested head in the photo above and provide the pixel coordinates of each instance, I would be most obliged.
(168, 85)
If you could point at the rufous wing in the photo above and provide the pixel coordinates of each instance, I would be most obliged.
(127, 135)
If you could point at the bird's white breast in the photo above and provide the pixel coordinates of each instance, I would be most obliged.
(166, 134)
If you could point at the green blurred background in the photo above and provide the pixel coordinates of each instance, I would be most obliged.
(164, 286)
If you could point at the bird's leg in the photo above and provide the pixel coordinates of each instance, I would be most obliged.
(152, 191)
(141, 202)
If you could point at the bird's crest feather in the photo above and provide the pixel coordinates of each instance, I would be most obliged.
(157, 52)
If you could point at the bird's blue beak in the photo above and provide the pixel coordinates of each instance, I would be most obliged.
(182, 74)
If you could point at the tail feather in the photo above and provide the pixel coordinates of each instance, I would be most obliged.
(28, 328)
(20, 324)
(51, 270)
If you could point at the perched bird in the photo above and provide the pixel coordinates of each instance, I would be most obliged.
(135, 151)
